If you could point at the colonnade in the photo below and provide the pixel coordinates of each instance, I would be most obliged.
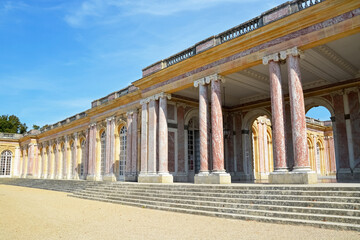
(301, 172)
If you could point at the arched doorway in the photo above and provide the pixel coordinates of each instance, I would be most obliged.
(5, 163)
(262, 151)
(193, 148)
(321, 140)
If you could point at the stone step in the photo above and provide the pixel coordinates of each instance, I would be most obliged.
(355, 194)
(243, 196)
(206, 187)
(154, 205)
(280, 202)
(224, 203)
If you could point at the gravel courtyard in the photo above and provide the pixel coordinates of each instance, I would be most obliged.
(27, 213)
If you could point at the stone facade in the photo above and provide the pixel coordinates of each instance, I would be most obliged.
(198, 120)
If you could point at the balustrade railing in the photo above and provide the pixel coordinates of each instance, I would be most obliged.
(181, 56)
(240, 29)
(255, 23)
(302, 4)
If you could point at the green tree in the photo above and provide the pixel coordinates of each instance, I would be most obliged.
(36, 127)
(11, 124)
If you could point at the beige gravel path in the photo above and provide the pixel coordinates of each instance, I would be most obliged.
(27, 213)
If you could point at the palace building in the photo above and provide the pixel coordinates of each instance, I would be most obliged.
(230, 108)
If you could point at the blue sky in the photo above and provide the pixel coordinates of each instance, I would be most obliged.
(57, 56)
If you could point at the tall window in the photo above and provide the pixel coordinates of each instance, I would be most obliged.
(73, 160)
(193, 145)
(5, 163)
(83, 157)
(103, 152)
(122, 151)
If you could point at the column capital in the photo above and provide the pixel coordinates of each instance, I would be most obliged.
(162, 95)
(131, 112)
(109, 119)
(272, 57)
(352, 89)
(208, 79)
(92, 125)
(291, 51)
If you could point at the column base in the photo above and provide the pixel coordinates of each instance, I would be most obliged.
(91, 177)
(156, 178)
(109, 178)
(293, 177)
(212, 178)
(29, 176)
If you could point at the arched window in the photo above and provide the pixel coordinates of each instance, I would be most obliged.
(122, 158)
(103, 152)
(5, 163)
(83, 157)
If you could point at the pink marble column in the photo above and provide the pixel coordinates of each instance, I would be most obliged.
(128, 144)
(163, 135)
(134, 143)
(152, 137)
(65, 154)
(203, 127)
(217, 127)
(87, 153)
(74, 158)
(298, 121)
(57, 164)
(108, 146)
(144, 138)
(277, 111)
(24, 161)
(30, 160)
(112, 146)
(92, 150)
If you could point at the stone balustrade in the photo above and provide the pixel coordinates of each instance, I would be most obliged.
(265, 18)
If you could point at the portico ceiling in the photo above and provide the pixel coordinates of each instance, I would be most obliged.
(326, 64)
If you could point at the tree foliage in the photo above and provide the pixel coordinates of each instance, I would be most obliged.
(11, 124)
(36, 127)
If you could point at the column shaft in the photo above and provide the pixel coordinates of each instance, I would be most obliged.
(108, 147)
(217, 127)
(298, 121)
(163, 136)
(152, 137)
(203, 125)
(128, 144)
(134, 143)
(277, 110)
(144, 138)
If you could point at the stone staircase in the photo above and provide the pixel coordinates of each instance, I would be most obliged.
(50, 184)
(325, 206)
